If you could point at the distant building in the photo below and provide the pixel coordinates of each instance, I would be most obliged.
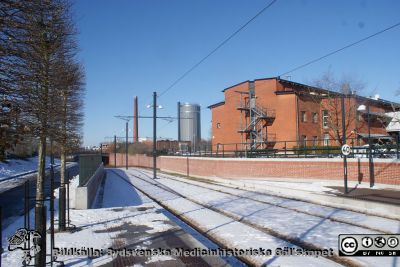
(189, 124)
(265, 113)
(105, 146)
(172, 145)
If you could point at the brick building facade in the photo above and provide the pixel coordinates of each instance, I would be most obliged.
(266, 112)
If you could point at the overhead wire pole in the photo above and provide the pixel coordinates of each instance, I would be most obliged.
(126, 119)
(154, 135)
(126, 145)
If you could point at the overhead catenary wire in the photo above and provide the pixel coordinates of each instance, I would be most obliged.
(216, 48)
(187, 72)
(284, 73)
(340, 49)
(334, 52)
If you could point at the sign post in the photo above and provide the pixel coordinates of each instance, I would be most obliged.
(346, 150)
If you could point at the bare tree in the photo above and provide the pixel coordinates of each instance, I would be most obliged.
(45, 39)
(12, 128)
(330, 102)
(70, 118)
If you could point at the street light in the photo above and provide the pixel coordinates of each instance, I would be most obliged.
(370, 161)
(154, 133)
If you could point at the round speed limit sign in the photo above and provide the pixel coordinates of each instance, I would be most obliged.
(346, 150)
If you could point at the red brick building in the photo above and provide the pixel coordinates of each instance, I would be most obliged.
(265, 112)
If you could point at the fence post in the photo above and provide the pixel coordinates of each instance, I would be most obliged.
(1, 233)
(115, 151)
(51, 208)
(298, 149)
(285, 150)
(187, 166)
(26, 205)
(397, 146)
(223, 150)
(69, 220)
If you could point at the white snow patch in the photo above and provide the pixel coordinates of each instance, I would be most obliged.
(18, 166)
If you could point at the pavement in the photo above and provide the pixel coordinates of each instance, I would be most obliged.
(381, 195)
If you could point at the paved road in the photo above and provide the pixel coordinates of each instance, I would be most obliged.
(12, 201)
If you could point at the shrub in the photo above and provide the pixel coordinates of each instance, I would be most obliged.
(316, 150)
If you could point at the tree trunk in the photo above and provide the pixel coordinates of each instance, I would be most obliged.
(40, 208)
(62, 199)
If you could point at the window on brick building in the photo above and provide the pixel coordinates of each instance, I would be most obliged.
(325, 118)
(315, 140)
(326, 139)
(315, 117)
(218, 125)
(303, 115)
(304, 140)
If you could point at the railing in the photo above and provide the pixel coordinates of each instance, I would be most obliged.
(260, 111)
(295, 149)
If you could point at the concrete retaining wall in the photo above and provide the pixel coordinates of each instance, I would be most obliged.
(85, 195)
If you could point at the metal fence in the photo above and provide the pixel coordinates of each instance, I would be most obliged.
(327, 148)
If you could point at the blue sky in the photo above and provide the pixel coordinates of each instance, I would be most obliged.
(132, 47)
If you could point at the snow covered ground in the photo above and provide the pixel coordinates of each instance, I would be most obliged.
(126, 218)
(291, 219)
(231, 216)
(95, 226)
(18, 166)
(231, 232)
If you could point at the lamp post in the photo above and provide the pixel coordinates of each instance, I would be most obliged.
(370, 148)
(154, 106)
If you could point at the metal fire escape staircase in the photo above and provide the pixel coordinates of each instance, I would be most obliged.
(254, 125)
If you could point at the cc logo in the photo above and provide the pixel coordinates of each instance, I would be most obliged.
(349, 245)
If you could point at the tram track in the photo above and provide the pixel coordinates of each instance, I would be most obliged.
(332, 217)
(339, 225)
(241, 260)
(268, 231)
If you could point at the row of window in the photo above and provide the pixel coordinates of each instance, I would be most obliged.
(314, 117)
(315, 140)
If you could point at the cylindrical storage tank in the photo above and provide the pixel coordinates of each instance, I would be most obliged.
(189, 126)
